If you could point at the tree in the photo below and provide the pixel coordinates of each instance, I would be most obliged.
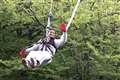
(92, 50)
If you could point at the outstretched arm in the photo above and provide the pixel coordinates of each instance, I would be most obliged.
(63, 38)
(33, 48)
(23, 52)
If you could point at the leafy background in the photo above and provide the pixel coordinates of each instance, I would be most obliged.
(92, 51)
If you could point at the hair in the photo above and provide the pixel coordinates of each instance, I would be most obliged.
(52, 27)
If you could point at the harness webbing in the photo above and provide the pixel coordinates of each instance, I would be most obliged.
(47, 45)
(73, 14)
(50, 15)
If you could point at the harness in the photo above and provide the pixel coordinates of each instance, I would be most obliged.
(47, 45)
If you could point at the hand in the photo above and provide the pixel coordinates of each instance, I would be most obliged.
(63, 27)
(22, 53)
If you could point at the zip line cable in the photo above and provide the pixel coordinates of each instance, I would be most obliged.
(51, 6)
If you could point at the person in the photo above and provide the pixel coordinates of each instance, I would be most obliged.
(44, 50)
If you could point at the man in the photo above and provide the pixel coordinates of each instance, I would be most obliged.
(44, 50)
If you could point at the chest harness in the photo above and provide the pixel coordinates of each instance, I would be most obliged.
(47, 45)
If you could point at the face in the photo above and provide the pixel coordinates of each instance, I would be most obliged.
(51, 34)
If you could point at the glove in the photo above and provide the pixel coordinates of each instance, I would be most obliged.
(63, 27)
(22, 53)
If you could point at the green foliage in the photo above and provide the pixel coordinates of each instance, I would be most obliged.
(92, 50)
